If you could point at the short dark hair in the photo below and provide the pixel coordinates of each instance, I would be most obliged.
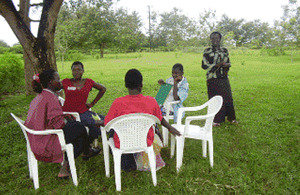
(46, 76)
(178, 66)
(216, 32)
(133, 79)
(77, 63)
(44, 79)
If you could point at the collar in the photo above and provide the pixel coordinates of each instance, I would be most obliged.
(50, 91)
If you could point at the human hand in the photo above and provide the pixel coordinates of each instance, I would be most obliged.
(174, 131)
(161, 81)
(177, 79)
(99, 123)
(226, 65)
(89, 105)
(220, 64)
(69, 117)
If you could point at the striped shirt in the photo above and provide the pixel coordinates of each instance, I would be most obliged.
(211, 57)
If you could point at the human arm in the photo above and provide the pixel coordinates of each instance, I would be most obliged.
(101, 92)
(169, 127)
(175, 87)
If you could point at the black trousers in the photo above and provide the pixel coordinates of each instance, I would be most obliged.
(222, 87)
(75, 133)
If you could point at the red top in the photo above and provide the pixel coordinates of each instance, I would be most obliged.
(133, 104)
(76, 99)
(45, 113)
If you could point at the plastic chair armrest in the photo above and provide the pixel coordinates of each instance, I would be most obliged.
(189, 109)
(201, 117)
(75, 114)
(58, 132)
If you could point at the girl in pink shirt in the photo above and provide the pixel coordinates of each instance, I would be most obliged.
(45, 112)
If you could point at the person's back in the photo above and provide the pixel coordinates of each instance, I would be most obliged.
(135, 102)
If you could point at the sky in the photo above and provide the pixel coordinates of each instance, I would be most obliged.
(264, 10)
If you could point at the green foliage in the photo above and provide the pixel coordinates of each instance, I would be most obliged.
(4, 49)
(276, 51)
(11, 72)
(17, 49)
(260, 155)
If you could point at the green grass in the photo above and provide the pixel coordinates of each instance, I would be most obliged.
(258, 156)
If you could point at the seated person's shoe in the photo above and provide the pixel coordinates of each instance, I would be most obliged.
(64, 172)
(216, 124)
(234, 122)
(93, 152)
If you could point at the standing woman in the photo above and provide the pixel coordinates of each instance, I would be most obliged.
(217, 63)
(77, 91)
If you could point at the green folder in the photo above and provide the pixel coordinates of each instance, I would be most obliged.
(163, 93)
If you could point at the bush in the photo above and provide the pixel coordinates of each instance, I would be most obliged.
(11, 72)
(4, 49)
(17, 49)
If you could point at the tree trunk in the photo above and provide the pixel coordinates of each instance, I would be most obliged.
(38, 52)
(102, 45)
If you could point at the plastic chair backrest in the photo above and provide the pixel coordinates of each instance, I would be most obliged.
(61, 100)
(132, 130)
(213, 107)
(23, 127)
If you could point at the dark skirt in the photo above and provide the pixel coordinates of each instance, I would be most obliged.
(88, 120)
(76, 134)
(222, 87)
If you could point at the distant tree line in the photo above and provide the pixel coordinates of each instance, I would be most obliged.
(95, 24)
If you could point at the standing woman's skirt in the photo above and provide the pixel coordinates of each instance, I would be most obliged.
(222, 87)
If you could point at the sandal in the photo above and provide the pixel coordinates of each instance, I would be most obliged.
(234, 122)
(216, 124)
(92, 152)
(64, 172)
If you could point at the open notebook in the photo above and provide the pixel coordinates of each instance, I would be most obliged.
(163, 93)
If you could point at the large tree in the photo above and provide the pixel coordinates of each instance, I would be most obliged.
(38, 50)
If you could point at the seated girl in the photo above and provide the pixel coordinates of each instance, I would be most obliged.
(179, 90)
(45, 112)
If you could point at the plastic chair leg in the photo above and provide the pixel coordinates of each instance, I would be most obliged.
(117, 168)
(204, 148)
(179, 152)
(35, 173)
(106, 158)
(172, 145)
(211, 152)
(70, 155)
(165, 133)
(30, 158)
(152, 162)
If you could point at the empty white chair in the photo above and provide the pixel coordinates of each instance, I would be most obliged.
(168, 117)
(32, 162)
(196, 132)
(132, 130)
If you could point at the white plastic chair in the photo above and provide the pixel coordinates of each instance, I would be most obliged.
(168, 117)
(132, 130)
(32, 161)
(196, 132)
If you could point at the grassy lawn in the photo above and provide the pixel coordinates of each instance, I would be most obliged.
(260, 155)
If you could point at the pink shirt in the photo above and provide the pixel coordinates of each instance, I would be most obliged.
(133, 104)
(76, 99)
(45, 112)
